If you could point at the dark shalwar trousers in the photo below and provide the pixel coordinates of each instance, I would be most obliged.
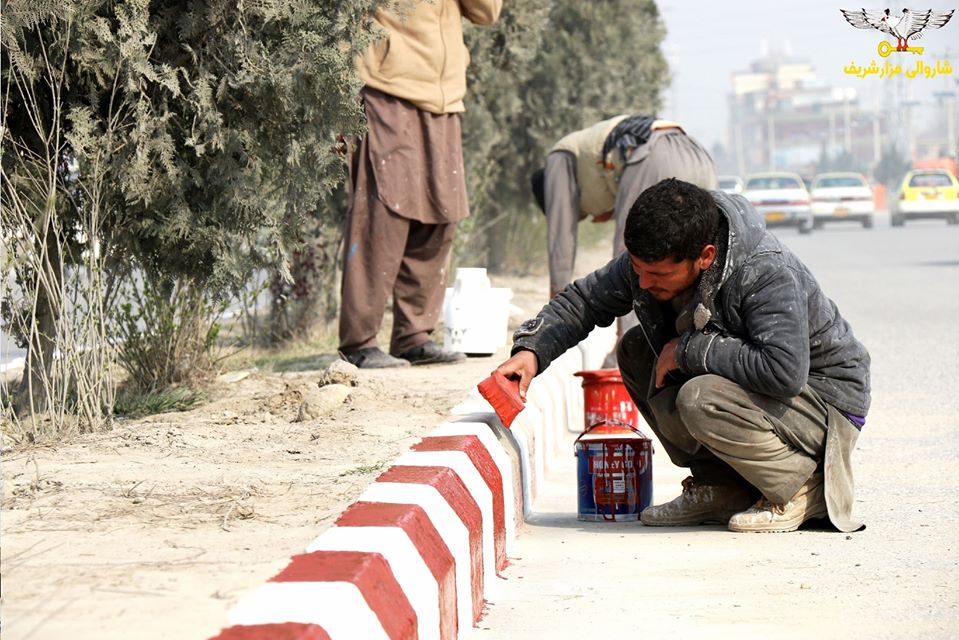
(407, 191)
(387, 254)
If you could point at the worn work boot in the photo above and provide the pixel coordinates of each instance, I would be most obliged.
(698, 504)
(768, 517)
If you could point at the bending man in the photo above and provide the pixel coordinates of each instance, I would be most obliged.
(599, 172)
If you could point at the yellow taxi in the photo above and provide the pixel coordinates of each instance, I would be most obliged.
(927, 193)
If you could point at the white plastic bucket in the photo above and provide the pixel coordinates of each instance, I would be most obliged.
(475, 314)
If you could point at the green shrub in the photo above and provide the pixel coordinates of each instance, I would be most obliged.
(167, 330)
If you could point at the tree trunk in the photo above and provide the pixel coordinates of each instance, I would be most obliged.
(35, 386)
(497, 241)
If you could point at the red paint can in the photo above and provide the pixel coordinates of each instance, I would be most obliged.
(605, 398)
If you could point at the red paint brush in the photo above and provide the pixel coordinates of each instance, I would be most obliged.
(503, 394)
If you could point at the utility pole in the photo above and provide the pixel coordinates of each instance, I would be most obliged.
(771, 140)
(847, 128)
(947, 101)
(740, 152)
(737, 135)
(832, 132)
(770, 131)
(909, 104)
(876, 144)
(951, 124)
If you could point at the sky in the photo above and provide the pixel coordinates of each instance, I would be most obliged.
(707, 41)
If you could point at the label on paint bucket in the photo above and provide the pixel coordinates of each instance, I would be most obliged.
(614, 475)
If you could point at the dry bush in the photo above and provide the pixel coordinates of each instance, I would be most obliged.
(54, 289)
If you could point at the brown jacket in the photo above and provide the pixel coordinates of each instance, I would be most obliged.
(422, 57)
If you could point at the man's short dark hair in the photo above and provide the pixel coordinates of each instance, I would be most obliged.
(538, 184)
(671, 219)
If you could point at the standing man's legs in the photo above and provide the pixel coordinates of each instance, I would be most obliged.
(407, 193)
(636, 178)
(374, 244)
(421, 286)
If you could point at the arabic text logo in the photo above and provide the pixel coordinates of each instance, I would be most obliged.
(909, 25)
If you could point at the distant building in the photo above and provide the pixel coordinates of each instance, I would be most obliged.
(782, 118)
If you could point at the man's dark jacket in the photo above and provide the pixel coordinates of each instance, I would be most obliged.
(770, 328)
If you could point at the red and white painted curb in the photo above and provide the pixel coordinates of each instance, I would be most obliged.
(417, 555)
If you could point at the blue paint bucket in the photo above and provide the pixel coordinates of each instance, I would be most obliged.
(614, 471)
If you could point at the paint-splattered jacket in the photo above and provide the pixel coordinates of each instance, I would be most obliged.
(770, 327)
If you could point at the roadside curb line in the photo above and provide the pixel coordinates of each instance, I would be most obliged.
(417, 555)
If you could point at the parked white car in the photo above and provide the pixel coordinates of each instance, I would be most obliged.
(730, 184)
(781, 198)
(842, 196)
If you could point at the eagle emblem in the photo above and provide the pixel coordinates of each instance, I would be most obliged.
(907, 25)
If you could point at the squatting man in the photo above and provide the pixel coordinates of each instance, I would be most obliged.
(742, 367)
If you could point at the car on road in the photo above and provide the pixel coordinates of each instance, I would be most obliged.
(781, 198)
(927, 193)
(842, 196)
(730, 184)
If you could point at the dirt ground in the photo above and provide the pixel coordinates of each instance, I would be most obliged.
(162, 524)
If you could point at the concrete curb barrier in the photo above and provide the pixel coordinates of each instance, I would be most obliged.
(417, 555)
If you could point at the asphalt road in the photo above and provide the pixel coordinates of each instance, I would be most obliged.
(899, 578)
